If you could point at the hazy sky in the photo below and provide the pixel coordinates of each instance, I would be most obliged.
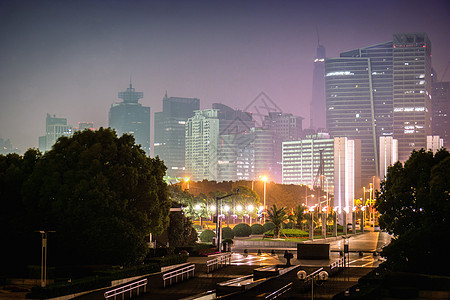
(71, 58)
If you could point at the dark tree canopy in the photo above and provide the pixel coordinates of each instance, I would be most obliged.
(414, 204)
(101, 194)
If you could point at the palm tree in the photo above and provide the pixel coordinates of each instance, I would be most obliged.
(277, 216)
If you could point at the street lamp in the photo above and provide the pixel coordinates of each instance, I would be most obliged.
(44, 257)
(186, 180)
(218, 222)
(264, 179)
(250, 209)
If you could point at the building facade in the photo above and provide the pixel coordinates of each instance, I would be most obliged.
(440, 109)
(170, 131)
(358, 91)
(388, 154)
(54, 129)
(317, 113)
(202, 132)
(131, 117)
(411, 92)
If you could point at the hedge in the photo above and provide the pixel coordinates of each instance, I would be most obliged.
(268, 226)
(257, 229)
(242, 229)
(227, 233)
(207, 236)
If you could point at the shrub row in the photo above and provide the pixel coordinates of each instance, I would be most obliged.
(288, 233)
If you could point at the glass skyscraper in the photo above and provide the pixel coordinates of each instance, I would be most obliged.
(358, 91)
(131, 117)
(170, 132)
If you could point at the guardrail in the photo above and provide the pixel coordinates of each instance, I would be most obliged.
(313, 275)
(337, 265)
(127, 288)
(179, 274)
(276, 293)
(218, 262)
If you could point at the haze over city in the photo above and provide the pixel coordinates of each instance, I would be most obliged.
(72, 58)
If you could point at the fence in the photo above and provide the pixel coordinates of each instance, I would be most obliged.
(181, 274)
(127, 288)
(218, 262)
(276, 293)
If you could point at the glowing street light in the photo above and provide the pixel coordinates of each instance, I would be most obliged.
(186, 180)
(264, 179)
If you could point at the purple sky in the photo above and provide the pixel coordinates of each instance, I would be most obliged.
(71, 58)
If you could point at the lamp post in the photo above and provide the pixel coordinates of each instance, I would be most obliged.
(264, 179)
(218, 222)
(250, 209)
(44, 257)
(186, 180)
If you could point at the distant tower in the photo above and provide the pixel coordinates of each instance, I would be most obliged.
(54, 129)
(131, 117)
(317, 112)
(170, 132)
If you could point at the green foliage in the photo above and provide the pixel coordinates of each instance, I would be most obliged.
(288, 225)
(414, 204)
(288, 233)
(257, 228)
(207, 236)
(277, 216)
(242, 229)
(268, 226)
(100, 194)
(227, 233)
(181, 231)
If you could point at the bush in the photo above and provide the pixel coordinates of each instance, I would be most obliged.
(242, 230)
(288, 225)
(268, 226)
(207, 236)
(257, 229)
(288, 233)
(227, 233)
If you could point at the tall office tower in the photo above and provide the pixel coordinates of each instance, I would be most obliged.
(54, 128)
(440, 109)
(434, 143)
(411, 92)
(236, 157)
(170, 132)
(264, 147)
(235, 148)
(345, 177)
(131, 117)
(5, 146)
(317, 111)
(388, 154)
(202, 132)
(286, 127)
(358, 91)
(302, 161)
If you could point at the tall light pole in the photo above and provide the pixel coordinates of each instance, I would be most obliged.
(44, 257)
(186, 180)
(264, 179)
(218, 223)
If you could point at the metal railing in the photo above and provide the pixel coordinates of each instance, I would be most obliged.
(313, 275)
(127, 288)
(181, 274)
(278, 292)
(340, 263)
(218, 262)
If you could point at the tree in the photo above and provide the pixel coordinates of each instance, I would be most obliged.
(277, 216)
(21, 243)
(102, 195)
(180, 231)
(414, 204)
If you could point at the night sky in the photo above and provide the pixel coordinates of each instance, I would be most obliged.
(71, 58)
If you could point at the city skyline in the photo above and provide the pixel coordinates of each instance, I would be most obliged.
(71, 59)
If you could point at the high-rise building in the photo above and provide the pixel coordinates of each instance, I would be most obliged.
(317, 111)
(170, 132)
(202, 132)
(54, 128)
(264, 147)
(84, 125)
(440, 109)
(434, 143)
(303, 159)
(411, 92)
(131, 117)
(388, 154)
(358, 91)
(284, 127)
(235, 147)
